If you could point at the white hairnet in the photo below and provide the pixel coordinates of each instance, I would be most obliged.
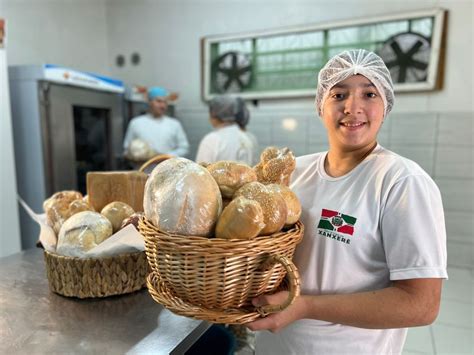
(352, 62)
(224, 107)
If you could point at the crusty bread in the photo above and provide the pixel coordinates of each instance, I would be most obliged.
(82, 232)
(230, 176)
(57, 208)
(116, 212)
(241, 219)
(182, 197)
(272, 203)
(293, 204)
(77, 206)
(275, 166)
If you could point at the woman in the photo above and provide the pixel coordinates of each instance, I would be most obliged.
(374, 252)
(227, 141)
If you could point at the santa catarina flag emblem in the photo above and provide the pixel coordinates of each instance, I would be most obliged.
(336, 221)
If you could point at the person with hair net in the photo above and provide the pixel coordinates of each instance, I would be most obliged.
(161, 133)
(227, 141)
(373, 256)
(242, 120)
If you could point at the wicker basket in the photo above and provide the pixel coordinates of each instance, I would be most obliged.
(97, 277)
(215, 279)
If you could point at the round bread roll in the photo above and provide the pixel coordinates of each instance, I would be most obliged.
(116, 212)
(272, 203)
(77, 206)
(182, 197)
(230, 176)
(293, 204)
(241, 219)
(66, 196)
(57, 208)
(82, 232)
(276, 166)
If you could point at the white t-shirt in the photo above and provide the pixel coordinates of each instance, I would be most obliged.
(382, 221)
(226, 143)
(165, 134)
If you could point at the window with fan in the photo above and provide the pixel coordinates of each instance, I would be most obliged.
(285, 63)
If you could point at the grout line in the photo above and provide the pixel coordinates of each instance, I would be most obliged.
(433, 343)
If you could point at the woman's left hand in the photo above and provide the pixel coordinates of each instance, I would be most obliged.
(277, 321)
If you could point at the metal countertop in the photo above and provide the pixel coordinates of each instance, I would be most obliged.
(34, 320)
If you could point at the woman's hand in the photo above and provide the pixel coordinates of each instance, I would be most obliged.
(277, 321)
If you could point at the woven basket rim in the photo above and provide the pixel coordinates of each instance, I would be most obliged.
(295, 230)
(66, 257)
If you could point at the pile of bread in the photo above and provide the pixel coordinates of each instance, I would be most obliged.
(113, 201)
(225, 199)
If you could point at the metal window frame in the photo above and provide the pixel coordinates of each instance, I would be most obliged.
(436, 64)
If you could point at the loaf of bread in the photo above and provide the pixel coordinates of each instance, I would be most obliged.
(116, 212)
(275, 166)
(124, 186)
(182, 197)
(272, 203)
(57, 208)
(77, 206)
(230, 176)
(139, 150)
(82, 232)
(241, 219)
(293, 204)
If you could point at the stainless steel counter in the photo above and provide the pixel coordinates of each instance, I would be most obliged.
(34, 320)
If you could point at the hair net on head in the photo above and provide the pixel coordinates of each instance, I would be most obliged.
(224, 108)
(243, 114)
(353, 62)
(155, 92)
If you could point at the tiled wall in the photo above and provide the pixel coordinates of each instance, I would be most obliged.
(442, 144)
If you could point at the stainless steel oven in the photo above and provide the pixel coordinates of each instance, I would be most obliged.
(65, 123)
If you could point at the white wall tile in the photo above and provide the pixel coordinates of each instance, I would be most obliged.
(451, 340)
(457, 194)
(454, 161)
(418, 341)
(460, 226)
(456, 128)
(413, 128)
(457, 289)
(316, 133)
(453, 313)
(460, 254)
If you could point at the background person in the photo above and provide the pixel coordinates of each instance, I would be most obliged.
(227, 141)
(374, 252)
(242, 120)
(162, 133)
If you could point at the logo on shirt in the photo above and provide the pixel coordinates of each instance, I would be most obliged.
(336, 225)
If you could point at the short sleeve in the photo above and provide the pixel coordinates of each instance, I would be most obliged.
(413, 229)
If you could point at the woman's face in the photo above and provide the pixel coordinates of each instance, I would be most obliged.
(353, 113)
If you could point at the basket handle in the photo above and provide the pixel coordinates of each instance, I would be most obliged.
(293, 279)
(154, 161)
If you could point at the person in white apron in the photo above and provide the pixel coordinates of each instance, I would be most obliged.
(373, 255)
(227, 141)
(163, 134)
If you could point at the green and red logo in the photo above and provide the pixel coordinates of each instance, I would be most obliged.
(336, 221)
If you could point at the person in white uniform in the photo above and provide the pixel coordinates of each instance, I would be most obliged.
(242, 120)
(227, 141)
(164, 134)
(373, 256)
